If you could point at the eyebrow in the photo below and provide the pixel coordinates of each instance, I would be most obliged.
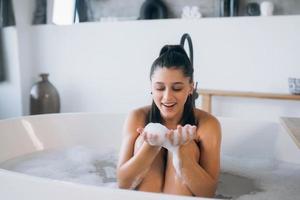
(175, 83)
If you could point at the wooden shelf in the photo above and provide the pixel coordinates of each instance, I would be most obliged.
(208, 94)
(292, 125)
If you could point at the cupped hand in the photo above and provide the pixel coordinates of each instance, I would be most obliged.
(182, 135)
(151, 138)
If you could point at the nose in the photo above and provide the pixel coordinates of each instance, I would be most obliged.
(168, 94)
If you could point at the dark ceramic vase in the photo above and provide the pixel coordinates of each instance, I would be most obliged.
(153, 9)
(44, 97)
(253, 9)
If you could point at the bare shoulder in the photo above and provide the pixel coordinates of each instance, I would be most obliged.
(136, 119)
(139, 113)
(208, 126)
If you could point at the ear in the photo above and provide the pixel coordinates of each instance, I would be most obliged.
(192, 88)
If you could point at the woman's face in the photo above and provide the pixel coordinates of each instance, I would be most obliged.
(170, 89)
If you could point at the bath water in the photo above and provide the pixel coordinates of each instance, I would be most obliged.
(77, 164)
(241, 179)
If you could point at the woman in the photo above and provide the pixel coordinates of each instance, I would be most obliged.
(147, 167)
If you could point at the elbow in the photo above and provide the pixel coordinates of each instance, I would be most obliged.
(127, 180)
(122, 185)
(209, 190)
(124, 182)
(121, 180)
(209, 193)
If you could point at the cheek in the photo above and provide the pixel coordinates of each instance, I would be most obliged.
(183, 98)
(156, 97)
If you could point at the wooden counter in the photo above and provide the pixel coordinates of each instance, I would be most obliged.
(292, 125)
(208, 94)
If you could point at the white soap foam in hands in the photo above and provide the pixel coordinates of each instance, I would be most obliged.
(159, 131)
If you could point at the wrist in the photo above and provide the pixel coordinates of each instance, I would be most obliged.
(152, 147)
(184, 158)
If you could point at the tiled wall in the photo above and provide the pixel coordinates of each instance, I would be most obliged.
(208, 8)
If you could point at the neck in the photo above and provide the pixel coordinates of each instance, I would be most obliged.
(172, 122)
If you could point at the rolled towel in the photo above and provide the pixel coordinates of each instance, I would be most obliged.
(191, 12)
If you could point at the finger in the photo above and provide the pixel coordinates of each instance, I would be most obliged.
(160, 141)
(188, 136)
(188, 131)
(188, 126)
(151, 139)
(154, 139)
(193, 132)
(145, 136)
(175, 137)
(179, 136)
(140, 130)
(170, 135)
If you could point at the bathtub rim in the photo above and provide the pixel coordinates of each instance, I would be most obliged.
(52, 184)
(4, 172)
(69, 115)
(57, 114)
(219, 118)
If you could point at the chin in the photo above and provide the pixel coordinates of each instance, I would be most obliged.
(168, 115)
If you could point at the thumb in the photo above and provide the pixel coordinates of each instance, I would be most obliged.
(140, 130)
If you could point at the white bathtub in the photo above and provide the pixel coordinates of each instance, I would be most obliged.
(21, 136)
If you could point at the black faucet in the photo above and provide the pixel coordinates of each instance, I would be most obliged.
(187, 37)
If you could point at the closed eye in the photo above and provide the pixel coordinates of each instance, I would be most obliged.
(177, 89)
(160, 89)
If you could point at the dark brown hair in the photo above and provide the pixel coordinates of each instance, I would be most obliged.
(174, 56)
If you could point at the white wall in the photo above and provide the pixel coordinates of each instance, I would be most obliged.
(24, 15)
(10, 97)
(104, 67)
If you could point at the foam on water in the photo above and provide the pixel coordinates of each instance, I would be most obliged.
(76, 164)
(242, 179)
(272, 179)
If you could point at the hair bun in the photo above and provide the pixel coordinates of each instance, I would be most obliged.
(172, 48)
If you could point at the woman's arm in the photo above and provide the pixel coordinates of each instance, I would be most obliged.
(131, 168)
(201, 177)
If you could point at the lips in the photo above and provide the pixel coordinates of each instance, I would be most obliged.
(168, 105)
